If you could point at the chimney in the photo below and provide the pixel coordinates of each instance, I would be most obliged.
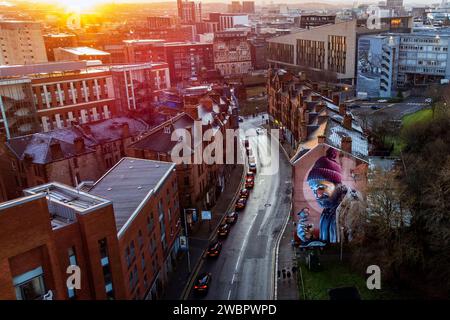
(79, 144)
(125, 130)
(336, 99)
(347, 122)
(319, 107)
(342, 109)
(55, 150)
(346, 144)
(303, 131)
(321, 139)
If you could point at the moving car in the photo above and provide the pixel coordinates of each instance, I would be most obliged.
(245, 193)
(240, 204)
(202, 283)
(249, 183)
(223, 230)
(231, 217)
(214, 249)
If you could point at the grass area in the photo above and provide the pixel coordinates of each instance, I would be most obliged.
(422, 115)
(336, 274)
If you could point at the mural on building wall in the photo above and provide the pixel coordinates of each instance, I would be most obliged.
(327, 196)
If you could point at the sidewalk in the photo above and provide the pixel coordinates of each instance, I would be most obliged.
(287, 287)
(199, 240)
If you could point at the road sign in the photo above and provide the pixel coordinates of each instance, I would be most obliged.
(206, 215)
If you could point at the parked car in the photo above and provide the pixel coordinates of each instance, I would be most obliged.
(241, 119)
(252, 164)
(248, 151)
(202, 283)
(375, 107)
(249, 183)
(223, 230)
(245, 193)
(250, 175)
(214, 249)
(231, 217)
(240, 204)
(354, 106)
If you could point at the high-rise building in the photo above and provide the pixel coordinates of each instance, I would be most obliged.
(21, 42)
(189, 11)
(248, 6)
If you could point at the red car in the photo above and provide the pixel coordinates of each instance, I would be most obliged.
(250, 174)
(245, 193)
(249, 183)
(240, 204)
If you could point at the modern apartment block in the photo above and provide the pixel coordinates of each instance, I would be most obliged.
(125, 245)
(389, 63)
(59, 95)
(218, 21)
(21, 42)
(189, 11)
(329, 50)
(232, 52)
(144, 194)
(50, 228)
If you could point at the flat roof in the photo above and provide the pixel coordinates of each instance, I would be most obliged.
(85, 51)
(129, 185)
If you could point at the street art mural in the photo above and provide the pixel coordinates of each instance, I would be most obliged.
(328, 195)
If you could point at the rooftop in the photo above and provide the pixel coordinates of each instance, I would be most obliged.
(129, 185)
(85, 51)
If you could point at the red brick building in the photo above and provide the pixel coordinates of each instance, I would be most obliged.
(50, 228)
(125, 245)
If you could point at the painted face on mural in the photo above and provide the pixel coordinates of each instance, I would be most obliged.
(325, 178)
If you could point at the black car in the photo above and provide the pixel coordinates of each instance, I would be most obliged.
(214, 249)
(231, 217)
(375, 107)
(223, 230)
(202, 283)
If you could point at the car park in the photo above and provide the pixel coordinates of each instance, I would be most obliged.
(231, 217)
(214, 249)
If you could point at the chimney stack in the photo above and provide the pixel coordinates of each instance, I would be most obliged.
(321, 139)
(55, 150)
(346, 144)
(342, 109)
(336, 99)
(79, 144)
(347, 122)
(125, 130)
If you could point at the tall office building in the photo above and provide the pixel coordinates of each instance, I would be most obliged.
(21, 42)
(189, 11)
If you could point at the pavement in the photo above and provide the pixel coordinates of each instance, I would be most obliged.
(199, 239)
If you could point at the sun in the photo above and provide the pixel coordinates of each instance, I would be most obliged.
(80, 6)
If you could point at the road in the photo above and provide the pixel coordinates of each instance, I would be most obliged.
(245, 267)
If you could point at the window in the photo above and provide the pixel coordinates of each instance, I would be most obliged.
(107, 275)
(30, 285)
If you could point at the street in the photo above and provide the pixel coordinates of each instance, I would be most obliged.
(245, 266)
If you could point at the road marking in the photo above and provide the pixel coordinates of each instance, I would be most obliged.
(229, 295)
(232, 280)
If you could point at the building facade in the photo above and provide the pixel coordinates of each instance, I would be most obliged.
(58, 40)
(50, 228)
(232, 52)
(21, 42)
(389, 63)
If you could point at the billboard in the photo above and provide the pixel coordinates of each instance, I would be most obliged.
(328, 194)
